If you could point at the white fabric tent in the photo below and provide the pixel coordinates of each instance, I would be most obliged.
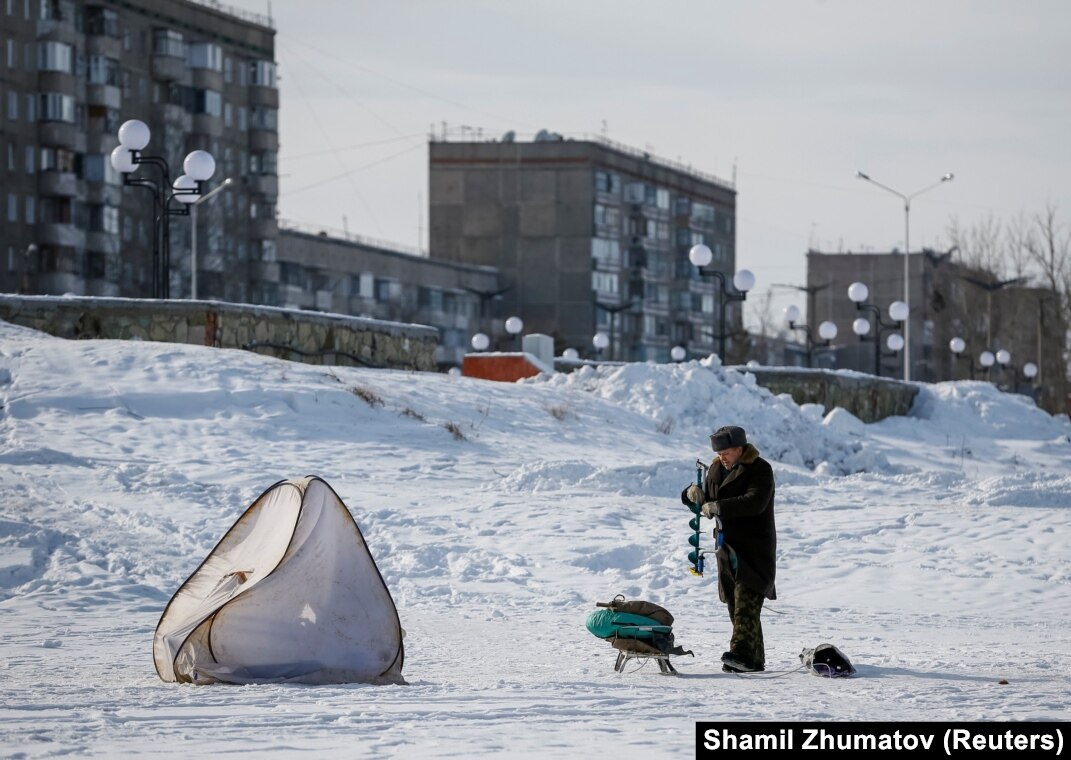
(290, 593)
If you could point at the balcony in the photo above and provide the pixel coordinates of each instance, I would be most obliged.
(204, 124)
(61, 235)
(263, 96)
(264, 184)
(263, 229)
(60, 184)
(168, 68)
(261, 140)
(59, 134)
(103, 95)
(206, 79)
(104, 45)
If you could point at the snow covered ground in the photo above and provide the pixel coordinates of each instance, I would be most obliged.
(931, 549)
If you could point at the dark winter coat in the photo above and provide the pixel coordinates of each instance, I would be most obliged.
(745, 499)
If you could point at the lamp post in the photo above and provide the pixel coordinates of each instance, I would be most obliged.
(613, 311)
(827, 331)
(986, 359)
(1003, 359)
(907, 251)
(198, 166)
(678, 353)
(600, 340)
(957, 346)
(514, 325)
(571, 354)
(989, 288)
(1030, 371)
(898, 312)
(193, 229)
(743, 281)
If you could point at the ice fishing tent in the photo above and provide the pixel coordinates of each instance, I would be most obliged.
(291, 593)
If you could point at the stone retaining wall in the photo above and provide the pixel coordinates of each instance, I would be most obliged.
(305, 336)
(867, 397)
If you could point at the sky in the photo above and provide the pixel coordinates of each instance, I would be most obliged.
(790, 97)
(931, 549)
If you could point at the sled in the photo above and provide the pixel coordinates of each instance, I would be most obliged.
(638, 630)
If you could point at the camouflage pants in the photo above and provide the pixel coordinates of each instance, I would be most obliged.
(745, 606)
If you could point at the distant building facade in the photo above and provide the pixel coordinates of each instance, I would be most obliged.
(589, 236)
(365, 278)
(948, 300)
(201, 78)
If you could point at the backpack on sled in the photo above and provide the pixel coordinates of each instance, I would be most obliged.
(827, 661)
(638, 630)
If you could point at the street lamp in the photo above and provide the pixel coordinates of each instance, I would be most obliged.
(678, 353)
(198, 166)
(480, 341)
(613, 311)
(600, 340)
(514, 325)
(1003, 359)
(898, 312)
(827, 330)
(743, 281)
(193, 204)
(957, 346)
(986, 360)
(907, 250)
(571, 354)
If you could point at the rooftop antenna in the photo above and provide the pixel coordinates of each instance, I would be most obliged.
(734, 171)
(345, 227)
(270, 20)
(419, 222)
(605, 129)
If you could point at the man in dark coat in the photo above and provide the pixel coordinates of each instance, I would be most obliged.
(739, 493)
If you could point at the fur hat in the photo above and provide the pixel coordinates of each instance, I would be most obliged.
(727, 437)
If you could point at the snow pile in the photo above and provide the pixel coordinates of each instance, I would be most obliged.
(690, 400)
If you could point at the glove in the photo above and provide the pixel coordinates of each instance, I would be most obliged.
(695, 494)
(710, 510)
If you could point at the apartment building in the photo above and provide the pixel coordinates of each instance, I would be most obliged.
(202, 77)
(590, 236)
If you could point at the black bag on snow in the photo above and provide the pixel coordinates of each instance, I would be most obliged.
(827, 661)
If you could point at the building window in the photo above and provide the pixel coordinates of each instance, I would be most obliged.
(702, 212)
(101, 70)
(30, 110)
(12, 105)
(204, 55)
(104, 219)
(103, 119)
(56, 107)
(30, 153)
(261, 117)
(228, 70)
(168, 42)
(607, 220)
(29, 209)
(607, 182)
(55, 56)
(262, 73)
(228, 115)
(386, 289)
(97, 168)
(208, 102)
(266, 162)
(243, 121)
(604, 283)
(662, 199)
(58, 159)
(101, 21)
(12, 162)
(12, 207)
(606, 253)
